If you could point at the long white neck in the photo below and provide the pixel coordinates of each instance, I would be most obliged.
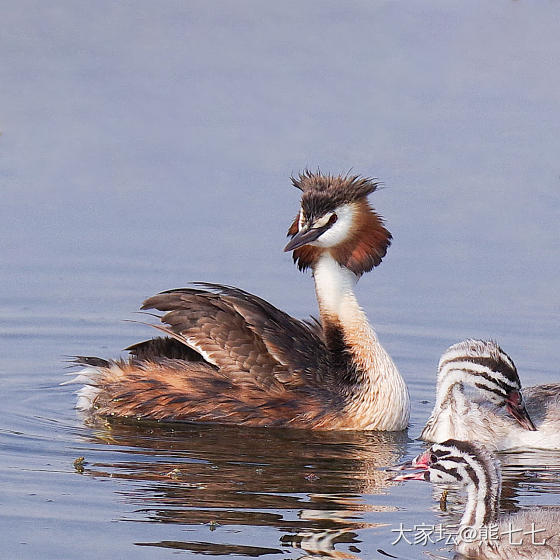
(334, 286)
(379, 394)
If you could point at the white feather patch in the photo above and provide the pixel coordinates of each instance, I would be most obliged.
(339, 231)
(86, 397)
(88, 393)
(191, 342)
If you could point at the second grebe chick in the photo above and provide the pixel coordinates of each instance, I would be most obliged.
(231, 357)
(483, 533)
(479, 398)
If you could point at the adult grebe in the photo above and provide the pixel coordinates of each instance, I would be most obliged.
(479, 398)
(483, 533)
(231, 357)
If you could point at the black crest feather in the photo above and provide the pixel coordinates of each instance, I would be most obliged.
(323, 193)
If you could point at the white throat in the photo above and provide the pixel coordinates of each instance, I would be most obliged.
(334, 285)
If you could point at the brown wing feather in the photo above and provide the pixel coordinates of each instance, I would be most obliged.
(292, 343)
(245, 336)
(212, 328)
(162, 348)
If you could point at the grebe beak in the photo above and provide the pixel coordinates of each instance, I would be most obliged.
(516, 407)
(303, 237)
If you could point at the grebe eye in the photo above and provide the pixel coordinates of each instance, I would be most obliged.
(433, 458)
(332, 219)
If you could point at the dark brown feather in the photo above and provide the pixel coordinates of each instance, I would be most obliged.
(245, 335)
(89, 361)
(306, 256)
(163, 348)
(322, 193)
(220, 333)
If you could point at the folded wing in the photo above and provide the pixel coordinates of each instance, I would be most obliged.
(249, 340)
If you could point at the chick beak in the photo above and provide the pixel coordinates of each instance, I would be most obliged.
(516, 407)
(418, 475)
(419, 464)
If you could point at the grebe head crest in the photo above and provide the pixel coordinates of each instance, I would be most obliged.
(335, 216)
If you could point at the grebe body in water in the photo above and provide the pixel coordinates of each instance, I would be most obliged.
(230, 357)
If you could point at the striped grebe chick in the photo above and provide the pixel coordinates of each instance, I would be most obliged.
(230, 357)
(483, 533)
(479, 398)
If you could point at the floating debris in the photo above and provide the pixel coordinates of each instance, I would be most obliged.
(443, 500)
(79, 464)
(312, 477)
(175, 473)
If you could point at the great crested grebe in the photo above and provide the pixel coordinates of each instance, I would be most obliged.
(231, 357)
(479, 398)
(483, 533)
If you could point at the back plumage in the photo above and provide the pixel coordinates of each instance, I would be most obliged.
(257, 365)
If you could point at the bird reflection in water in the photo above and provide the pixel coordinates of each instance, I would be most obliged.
(299, 489)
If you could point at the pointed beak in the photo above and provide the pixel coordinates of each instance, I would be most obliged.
(303, 237)
(419, 464)
(419, 475)
(516, 407)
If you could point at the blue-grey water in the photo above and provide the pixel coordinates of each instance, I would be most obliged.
(145, 145)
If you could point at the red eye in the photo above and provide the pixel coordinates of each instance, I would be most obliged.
(332, 219)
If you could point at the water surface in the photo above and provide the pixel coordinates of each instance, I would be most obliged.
(148, 145)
